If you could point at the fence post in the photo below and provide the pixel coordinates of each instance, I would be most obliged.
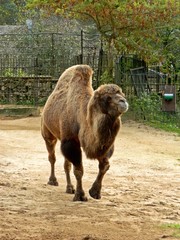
(81, 58)
(53, 58)
(100, 65)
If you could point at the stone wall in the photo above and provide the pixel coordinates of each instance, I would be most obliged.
(26, 90)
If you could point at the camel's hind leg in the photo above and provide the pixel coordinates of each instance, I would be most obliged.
(72, 151)
(52, 159)
(50, 141)
(67, 169)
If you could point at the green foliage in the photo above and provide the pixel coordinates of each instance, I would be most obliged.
(12, 12)
(175, 227)
(128, 26)
(170, 43)
(148, 108)
(106, 77)
(12, 73)
(148, 105)
(168, 127)
(8, 12)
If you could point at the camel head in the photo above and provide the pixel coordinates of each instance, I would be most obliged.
(111, 100)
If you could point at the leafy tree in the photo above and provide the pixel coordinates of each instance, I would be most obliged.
(170, 43)
(8, 12)
(127, 25)
(12, 11)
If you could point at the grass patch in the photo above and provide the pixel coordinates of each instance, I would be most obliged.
(165, 127)
(147, 109)
(175, 227)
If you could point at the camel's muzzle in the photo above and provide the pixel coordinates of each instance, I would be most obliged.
(123, 106)
(121, 103)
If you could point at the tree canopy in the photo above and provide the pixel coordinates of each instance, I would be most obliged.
(11, 11)
(128, 25)
(8, 12)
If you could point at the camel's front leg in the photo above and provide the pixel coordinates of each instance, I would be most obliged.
(95, 190)
(67, 169)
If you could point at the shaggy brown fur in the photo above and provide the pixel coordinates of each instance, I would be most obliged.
(81, 117)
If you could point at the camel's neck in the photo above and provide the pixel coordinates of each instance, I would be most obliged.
(99, 136)
(108, 129)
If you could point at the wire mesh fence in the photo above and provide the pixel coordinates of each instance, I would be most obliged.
(44, 53)
(31, 63)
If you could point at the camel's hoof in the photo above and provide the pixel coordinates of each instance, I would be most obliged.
(53, 182)
(80, 197)
(70, 189)
(94, 193)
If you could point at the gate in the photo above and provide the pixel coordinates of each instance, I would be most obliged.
(152, 97)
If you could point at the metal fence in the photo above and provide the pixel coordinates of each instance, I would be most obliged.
(28, 61)
(145, 88)
(31, 63)
(46, 53)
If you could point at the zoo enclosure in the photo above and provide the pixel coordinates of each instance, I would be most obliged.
(31, 63)
(145, 87)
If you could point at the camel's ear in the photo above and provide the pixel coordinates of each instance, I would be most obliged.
(96, 94)
(122, 94)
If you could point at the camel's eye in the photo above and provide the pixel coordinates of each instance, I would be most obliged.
(107, 98)
(104, 103)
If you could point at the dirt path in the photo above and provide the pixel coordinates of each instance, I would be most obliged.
(141, 190)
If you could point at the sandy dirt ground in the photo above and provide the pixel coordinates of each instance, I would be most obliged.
(140, 194)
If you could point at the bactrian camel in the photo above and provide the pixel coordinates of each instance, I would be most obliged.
(83, 118)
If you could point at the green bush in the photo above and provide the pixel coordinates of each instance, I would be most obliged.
(106, 78)
(148, 108)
